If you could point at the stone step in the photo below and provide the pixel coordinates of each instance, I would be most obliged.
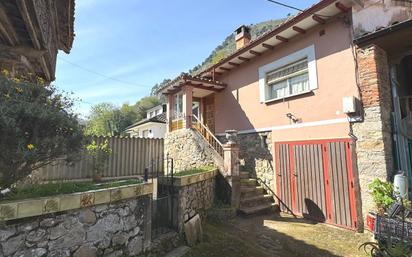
(258, 209)
(178, 252)
(249, 188)
(255, 200)
(244, 174)
(250, 191)
(248, 181)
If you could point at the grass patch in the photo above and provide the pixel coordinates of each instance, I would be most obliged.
(193, 171)
(42, 190)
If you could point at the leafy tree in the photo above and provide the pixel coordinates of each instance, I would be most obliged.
(36, 127)
(100, 121)
(145, 104)
(108, 120)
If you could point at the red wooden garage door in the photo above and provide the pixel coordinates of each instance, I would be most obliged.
(315, 180)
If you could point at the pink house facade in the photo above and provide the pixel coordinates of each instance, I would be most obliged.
(294, 98)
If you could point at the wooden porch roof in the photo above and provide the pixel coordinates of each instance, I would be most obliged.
(197, 82)
(31, 33)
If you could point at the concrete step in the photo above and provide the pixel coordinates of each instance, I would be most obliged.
(248, 181)
(258, 209)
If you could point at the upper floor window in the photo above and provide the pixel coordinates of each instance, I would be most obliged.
(288, 76)
(290, 80)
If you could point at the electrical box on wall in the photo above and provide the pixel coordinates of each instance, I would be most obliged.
(349, 104)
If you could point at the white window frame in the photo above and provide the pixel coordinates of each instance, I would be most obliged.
(308, 53)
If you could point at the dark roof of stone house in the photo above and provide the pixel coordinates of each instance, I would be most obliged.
(161, 118)
(32, 32)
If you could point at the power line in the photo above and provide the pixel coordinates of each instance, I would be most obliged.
(104, 76)
(286, 5)
(296, 8)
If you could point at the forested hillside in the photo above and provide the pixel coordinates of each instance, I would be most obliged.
(227, 47)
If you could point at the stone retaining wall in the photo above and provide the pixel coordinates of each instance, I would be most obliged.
(189, 150)
(196, 195)
(122, 228)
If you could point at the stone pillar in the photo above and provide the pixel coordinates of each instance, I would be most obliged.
(374, 135)
(187, 105)
(231, 165)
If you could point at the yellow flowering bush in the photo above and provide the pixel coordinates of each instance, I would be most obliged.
(36, 127)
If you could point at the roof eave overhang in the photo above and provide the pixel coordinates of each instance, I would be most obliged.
(176, 85)
(316, 15)
(368, 38)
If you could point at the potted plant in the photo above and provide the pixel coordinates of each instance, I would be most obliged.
(382, 193)
(99, 154)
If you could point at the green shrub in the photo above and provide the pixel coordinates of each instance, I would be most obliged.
(37, 126)
(382, 193)
(99, 154)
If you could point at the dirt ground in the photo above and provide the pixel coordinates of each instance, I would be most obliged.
(274, 236)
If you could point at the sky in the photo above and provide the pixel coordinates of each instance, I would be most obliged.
(122, 48)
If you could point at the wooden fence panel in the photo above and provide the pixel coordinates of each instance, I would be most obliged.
(130, 156)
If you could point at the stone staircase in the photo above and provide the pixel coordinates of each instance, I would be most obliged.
(254, 199)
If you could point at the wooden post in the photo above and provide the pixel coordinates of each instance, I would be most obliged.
(187, 105)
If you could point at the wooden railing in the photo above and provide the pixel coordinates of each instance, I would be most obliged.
(207, 135)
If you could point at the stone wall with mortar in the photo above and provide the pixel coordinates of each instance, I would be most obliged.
(256, 156)
(188, 150)
(192, 198)
(116, 229)
(374, 135)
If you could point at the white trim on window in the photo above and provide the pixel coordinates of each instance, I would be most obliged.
(308, 53)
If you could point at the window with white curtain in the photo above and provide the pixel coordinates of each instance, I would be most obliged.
(179, 104)
(290, 75)
(292, 79)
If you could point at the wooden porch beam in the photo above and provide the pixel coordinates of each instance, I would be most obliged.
(267, 46)
(234, 64)
(298, 29)
(243, 58)
(200, 86)
(342, 7)
(29, 23)
(7, 29)
(283, 39)
(255, 53)
(318, 19)
(225, 69)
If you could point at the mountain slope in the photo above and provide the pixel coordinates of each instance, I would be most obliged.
(227, 47)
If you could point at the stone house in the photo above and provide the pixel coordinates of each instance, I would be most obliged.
(31, 33)
(312, 102)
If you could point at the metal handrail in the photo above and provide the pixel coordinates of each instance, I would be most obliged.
(219, 146)
(260, 181)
